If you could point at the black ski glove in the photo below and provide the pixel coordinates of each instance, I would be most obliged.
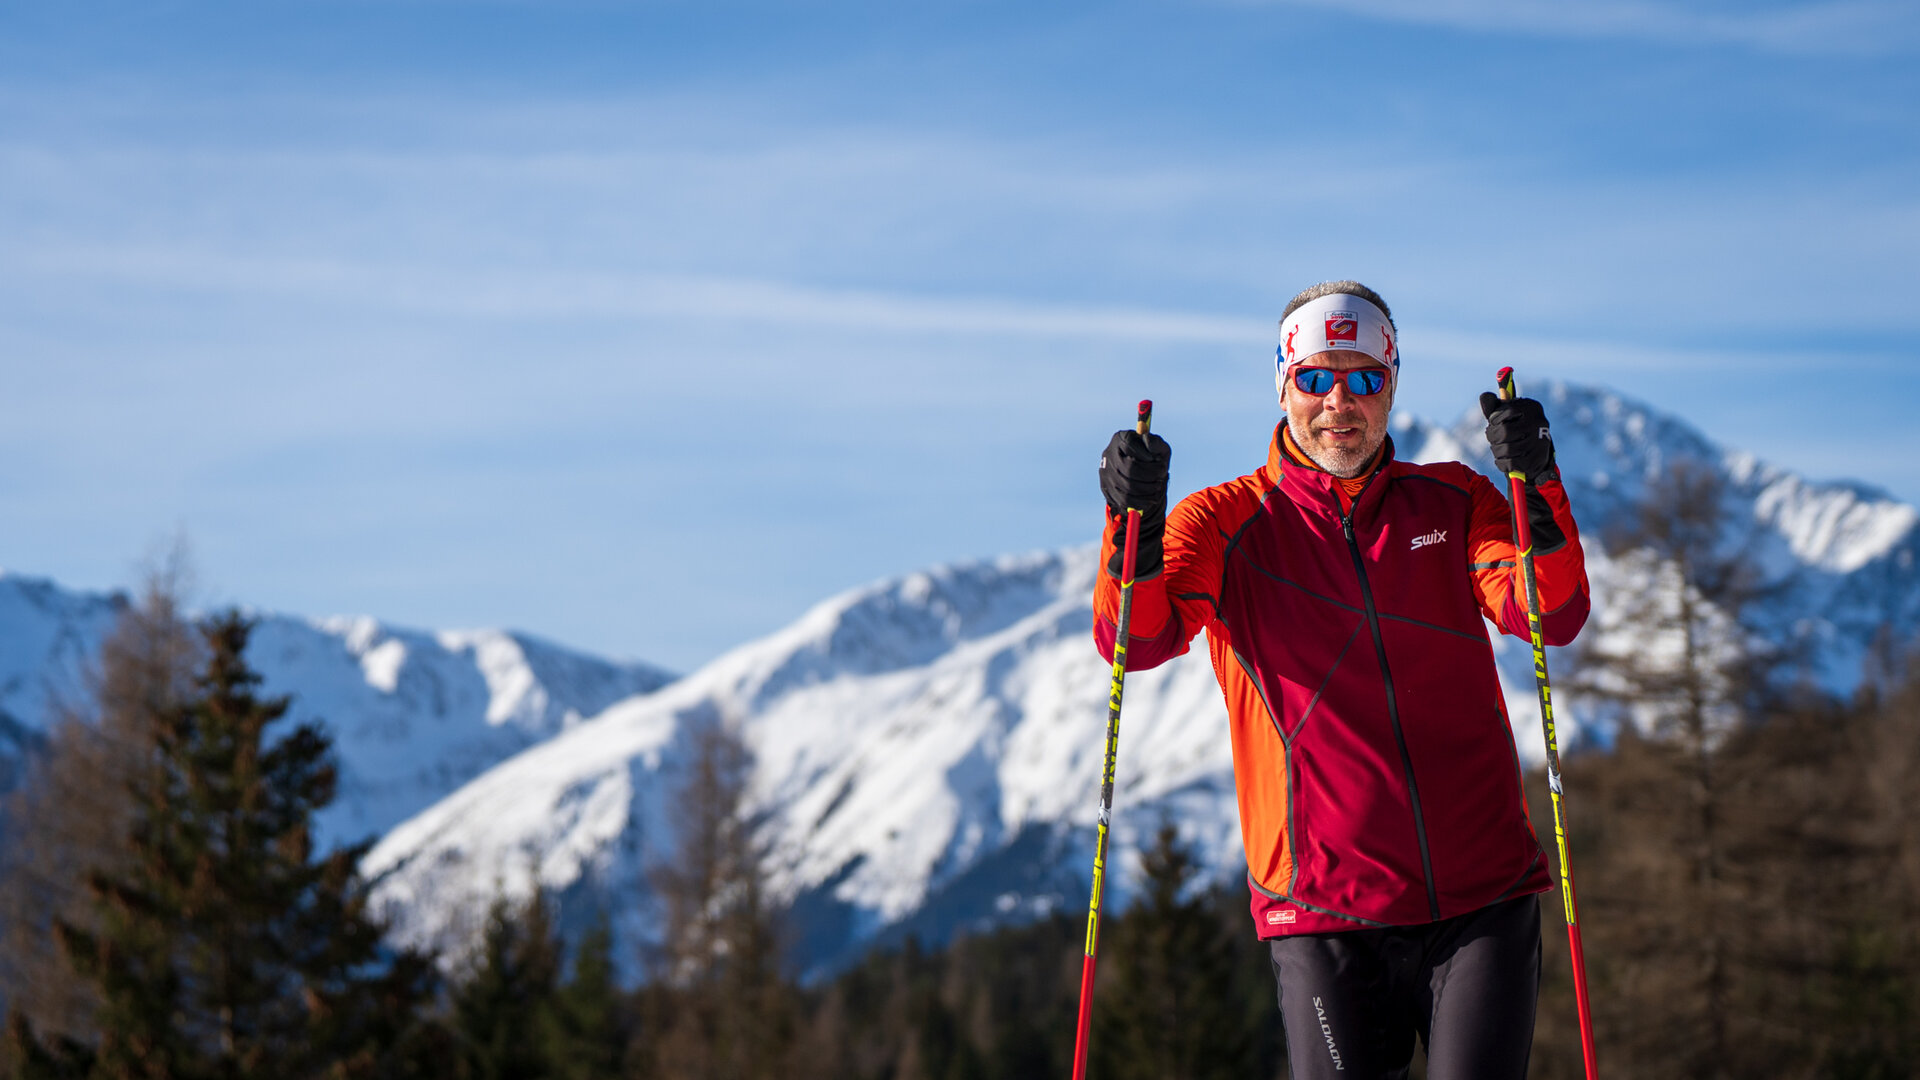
(1518, 435)
(1133, 473)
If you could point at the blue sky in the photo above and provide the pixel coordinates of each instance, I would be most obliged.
(645, 325)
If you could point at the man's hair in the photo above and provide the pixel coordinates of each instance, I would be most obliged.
(1351, 288)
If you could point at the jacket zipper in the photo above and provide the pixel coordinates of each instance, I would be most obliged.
(1393, 711)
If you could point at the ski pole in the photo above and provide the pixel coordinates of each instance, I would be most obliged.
(1523, 539)
(1106, 778)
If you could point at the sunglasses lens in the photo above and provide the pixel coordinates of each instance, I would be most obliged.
(1318, 381)
(1314, 381)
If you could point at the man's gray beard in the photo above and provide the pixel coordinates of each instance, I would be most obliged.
(1345, 464)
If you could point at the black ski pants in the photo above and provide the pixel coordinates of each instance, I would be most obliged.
(1353, 1002)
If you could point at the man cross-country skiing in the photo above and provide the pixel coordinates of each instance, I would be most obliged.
(1393, 868)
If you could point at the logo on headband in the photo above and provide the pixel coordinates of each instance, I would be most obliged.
(1343, 330)
(1289, 346)
(1386, 346)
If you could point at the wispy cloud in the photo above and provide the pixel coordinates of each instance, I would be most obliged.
(509, 295)
(480, 293)
(1836, 27)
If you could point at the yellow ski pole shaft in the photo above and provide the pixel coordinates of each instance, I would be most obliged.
(1523, 540)
(1143, 424)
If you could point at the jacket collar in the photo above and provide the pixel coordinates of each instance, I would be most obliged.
(1311, 487)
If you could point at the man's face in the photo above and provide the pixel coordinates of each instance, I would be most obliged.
(1340, 431)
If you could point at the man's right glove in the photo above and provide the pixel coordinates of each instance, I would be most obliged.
(1133, 474)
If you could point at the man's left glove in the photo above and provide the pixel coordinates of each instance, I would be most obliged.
(1518, 436)
(1133, 473)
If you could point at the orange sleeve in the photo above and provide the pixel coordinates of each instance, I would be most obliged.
(1173, 605)
(1561, 574)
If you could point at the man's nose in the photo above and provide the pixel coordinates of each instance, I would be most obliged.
(1339, 397)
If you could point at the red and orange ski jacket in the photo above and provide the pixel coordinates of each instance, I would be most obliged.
(1376, 772)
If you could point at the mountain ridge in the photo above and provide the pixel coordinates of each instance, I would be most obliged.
(414, 714)
(931, 743)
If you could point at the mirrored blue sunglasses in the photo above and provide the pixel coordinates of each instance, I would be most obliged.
(1319, 381)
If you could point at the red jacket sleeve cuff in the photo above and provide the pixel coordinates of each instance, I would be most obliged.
(1142, 652)
(1154, 635)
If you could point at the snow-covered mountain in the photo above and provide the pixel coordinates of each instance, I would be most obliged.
(919, 741)
(414, 714)
(928, 748)
(48, 637)
(1842, 554)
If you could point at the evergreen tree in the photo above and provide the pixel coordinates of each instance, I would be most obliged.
(500, 1010)
(223, 947)
(1169, 1007)
(587, 1028)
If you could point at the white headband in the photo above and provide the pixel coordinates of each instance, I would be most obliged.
(1337, 321)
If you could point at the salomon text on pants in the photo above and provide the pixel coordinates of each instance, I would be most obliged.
(1353, 1002)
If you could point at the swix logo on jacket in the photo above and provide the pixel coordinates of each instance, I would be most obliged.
(1375, 770)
